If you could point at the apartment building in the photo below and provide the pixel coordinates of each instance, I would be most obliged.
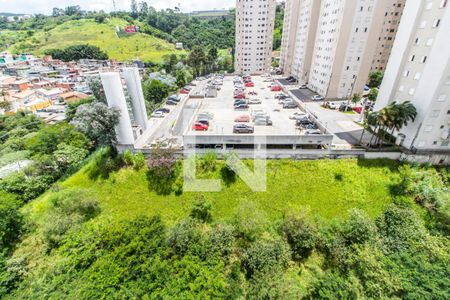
(290, 25)
(308, 19)
(392, 16)
(255, 21)
(419, 71)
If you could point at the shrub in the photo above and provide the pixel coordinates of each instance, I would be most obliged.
(184, 236)
(228, 175)
(301, 235)
(201, 210)
(221, 239)
(263, 255)
(208, 161)
(69, 208)
(10, 221)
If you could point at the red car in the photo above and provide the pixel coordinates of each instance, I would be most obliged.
(183, 91)
(242, 119)
(358, 109)
(275, 88)
(249, 84)
(200, 127)
(239, 96)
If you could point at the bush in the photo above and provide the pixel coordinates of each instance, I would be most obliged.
(301, 235)
(208, 161)
(137, 160)
(201, 210)
(10, 221)
(184, 236)
(263, 255)
(69, 209)
(228, 175)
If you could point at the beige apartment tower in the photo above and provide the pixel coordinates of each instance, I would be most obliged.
(338, 43)
(255, 21)
(392, 15)
(291, 16)
(419, 71)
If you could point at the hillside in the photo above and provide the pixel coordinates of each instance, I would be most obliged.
(135, 46)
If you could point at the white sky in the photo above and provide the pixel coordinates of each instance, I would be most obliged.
(45, 6)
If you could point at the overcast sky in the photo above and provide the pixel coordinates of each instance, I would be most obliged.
(45, 6)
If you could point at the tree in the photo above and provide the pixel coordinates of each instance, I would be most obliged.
(77, 52)
(10, 221)
(201, 210)
(95, 85)
(72, 10)
(197, 60)
(301, 235)
(143, 8)
(134, 9)
(375, 79)
(212, 59)
(356, 98)
(155, 91)
(97, 121)
(373, 94)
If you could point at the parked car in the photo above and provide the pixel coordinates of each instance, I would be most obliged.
(317, 98)
(243, 128)
(254, 101)
(239, 96)
(298, 115)
(174, 98)
(249, 84)
(164, 110)
(358, 109)
(303, 122)
(241, 106)
(344, 107)
(187, 88)
(263, 121)
(184, 92)
(290, 105)
(331, 105)
(313, 131)
(290, 78)
(205, 115)
(303, 86)
(239, 102)
(276, 88)
(171, 102)
(157, 114)
(311, 126)
(200, 127)
(242, 119)
(203, 121)
(281, 96)
(285, 100)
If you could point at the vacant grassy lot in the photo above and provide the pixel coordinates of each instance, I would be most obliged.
(134, 46)
(326, 188)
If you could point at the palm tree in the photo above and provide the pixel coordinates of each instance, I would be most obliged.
(370, 119)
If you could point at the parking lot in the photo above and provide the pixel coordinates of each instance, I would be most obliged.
(224, 113)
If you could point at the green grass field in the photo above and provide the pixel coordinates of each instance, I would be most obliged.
(324, 188)
(86, 31)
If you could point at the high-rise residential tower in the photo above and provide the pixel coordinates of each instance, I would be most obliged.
(291, 18)
(392, 15)
(255, 21)
(419, 71)
(338, 42)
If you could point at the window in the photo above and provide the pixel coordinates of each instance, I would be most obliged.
(443, 4)
(435, 113)
(411, 58)
(436, 23)
(424, 59)
(442, 98)
(417, 41)
(406, 74)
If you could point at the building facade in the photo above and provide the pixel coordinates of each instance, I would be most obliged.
(338, 42)
(290, 25)
(255, 21)
(392, 16)
(419, 71)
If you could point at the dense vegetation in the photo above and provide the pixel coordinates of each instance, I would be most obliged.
(77, 52)
(71, 26)
(80, 243)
